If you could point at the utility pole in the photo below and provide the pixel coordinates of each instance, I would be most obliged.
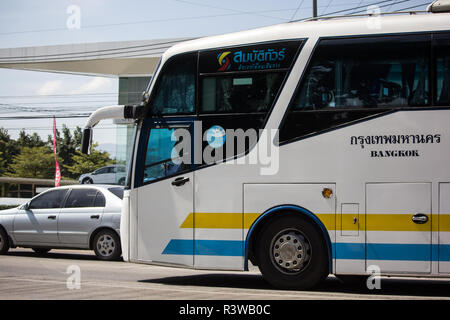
(314, 9)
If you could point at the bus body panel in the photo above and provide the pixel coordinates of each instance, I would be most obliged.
(377, 186)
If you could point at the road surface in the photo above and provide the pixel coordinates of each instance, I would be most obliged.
(66, 274)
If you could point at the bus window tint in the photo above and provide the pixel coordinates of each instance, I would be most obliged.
(366, 74)
(349, 79)
(240, 93)
(158, 159)
(175, 93)
(443, 74)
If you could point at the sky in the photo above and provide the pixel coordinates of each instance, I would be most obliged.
(25, 23)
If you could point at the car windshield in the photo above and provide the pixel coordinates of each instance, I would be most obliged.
(117, 192)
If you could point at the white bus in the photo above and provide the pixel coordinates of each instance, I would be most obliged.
(357, 174)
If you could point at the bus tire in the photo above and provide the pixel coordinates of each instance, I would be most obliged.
(292, 253)
(4, 241)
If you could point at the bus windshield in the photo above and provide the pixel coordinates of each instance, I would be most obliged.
(174, 93)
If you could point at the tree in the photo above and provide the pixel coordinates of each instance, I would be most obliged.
(30, 141)
(84, 163)
(8, 149)
(37, 162)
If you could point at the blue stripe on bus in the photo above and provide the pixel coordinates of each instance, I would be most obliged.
(392, 251)
(355, 251)
(230, 248)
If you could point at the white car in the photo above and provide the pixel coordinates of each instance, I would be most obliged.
(74, 217)
(114, 174)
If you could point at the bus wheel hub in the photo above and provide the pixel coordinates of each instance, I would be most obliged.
(290, 251)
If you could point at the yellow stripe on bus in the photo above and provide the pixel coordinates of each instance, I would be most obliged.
(370, 222)
(234, 220)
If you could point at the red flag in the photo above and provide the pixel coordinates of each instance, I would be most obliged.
(57, 170)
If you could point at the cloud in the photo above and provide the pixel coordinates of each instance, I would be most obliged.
(50, 87)
(95, 85)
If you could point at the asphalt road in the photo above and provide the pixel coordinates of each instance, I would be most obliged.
(25, 275)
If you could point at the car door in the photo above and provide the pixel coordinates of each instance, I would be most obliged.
(81, 214)
(37, 222)
(101, 175)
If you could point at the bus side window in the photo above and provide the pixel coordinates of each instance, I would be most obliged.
(349, 79)
(443, 70)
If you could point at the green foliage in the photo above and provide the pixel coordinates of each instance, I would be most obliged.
(30, 157)
(36, 162)
(8, 149)
(84, 163)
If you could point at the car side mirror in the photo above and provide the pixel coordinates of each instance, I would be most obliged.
(25, 206)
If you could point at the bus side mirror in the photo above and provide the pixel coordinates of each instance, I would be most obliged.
(86, 140)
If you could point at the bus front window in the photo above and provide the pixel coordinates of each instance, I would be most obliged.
(175, 90)
(158, 160)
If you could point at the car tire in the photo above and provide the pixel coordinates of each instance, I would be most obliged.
(41, 251)
(4, 242)
(292, 253)
(87, 181)
(107, 245)
(121, 181)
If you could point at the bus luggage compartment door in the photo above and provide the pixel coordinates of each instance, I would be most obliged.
(398, 227)
(444, 228)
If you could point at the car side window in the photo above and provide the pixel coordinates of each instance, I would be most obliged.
(48, 200)
(81, 198)
(102, 170)
(99, 200)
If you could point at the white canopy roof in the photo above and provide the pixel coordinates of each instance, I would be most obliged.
(122, 58)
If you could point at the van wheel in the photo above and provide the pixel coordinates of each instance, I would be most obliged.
(4, 242)
(292, 253)
(107, 245)
(41, 251)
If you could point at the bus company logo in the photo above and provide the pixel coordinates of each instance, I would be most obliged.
(224, 61)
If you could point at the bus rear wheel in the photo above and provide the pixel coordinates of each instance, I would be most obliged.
(292, 253)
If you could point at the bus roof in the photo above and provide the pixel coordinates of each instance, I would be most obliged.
(339, 26)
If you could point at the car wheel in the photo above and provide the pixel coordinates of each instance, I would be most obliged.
(292, 253)
(87, 181)
(4, 242)
(121, 181)
(41, 251)
(107, 245)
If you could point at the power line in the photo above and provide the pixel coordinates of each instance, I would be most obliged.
(385, 5)
(121, 49)
(68, 95)
(351, 9)
(413, 7)
(149, 21)
(228, 9)
(296, 10)
(61, 102)
(46, 117)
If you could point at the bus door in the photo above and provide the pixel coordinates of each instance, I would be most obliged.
(398, 227)
(164, 182)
